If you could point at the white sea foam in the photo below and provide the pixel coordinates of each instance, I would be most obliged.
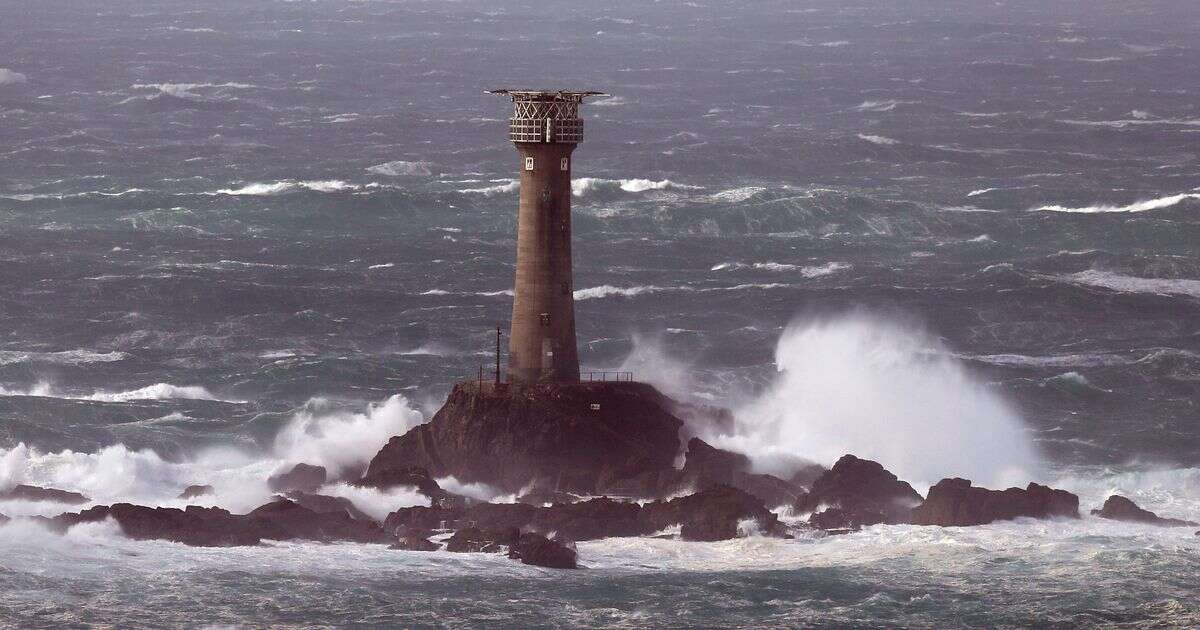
(808, 271)
(981, 191)
(880, 106)
(880, 140)
(736, 195)
(1133, 284)
(585, 185)
(474, 490)
(157, 391)
(881, 389)
(1138, 206)
(258, 189)
(400, 168)
(374, 502)
(609, 290)
(489, 191)
(9, 77)
(339, 439)
(65, 357)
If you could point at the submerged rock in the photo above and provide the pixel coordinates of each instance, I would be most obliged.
(712, 514)
(1119, 508)
(302, 477)
(578, 438)
(34, 493)
(955, 502)
(863, 492)
(194, 491)
(537, 550)
(413, 477)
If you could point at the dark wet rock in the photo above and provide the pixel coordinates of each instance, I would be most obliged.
(411, 476)
(497, 516)
(196, 526)
(864, 491)
(712, 514)
(955, 502)
(302, 477)
(837, 519)
(538, 550)
(592, 519)
(285, 519)
(415, 543)
(422, 518)
(4, 519)
(34, 493)
(547, 497)
(577, 438)
(192, 492)
(324, 504)
(1119, 508)
(476, 540)
(705, 466)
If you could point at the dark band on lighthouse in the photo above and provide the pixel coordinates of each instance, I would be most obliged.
(545, 127)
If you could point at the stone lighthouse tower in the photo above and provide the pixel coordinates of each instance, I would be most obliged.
(545, 127)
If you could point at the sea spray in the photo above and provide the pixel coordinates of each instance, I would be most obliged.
(883, 390)
(341, 440)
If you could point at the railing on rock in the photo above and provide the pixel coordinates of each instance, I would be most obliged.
(606, 376)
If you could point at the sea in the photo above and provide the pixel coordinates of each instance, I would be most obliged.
(959, 238)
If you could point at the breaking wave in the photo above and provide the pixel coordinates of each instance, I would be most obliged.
(158, 391)
(1138, 206)
(278, 188)
(808, 271)
(608, 289)
(585, 185)
(400, 168)
(488, 191)
(880, 140)
(1133, 284)
(8, 77)
(887, 391)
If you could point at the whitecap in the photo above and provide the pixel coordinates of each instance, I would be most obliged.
(400, 168)
(1134, 284)
(880, 140)
(1137, 206)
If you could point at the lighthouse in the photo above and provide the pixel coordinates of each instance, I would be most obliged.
(545, 127)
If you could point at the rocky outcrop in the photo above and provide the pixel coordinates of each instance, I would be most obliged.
(476, 540)
(955, 502)
(325, 504)
(706, 466)
(196, 526)
(23, 492)
(213, 527)
(537, 550)
(411, 476)
(580, 438)
(194, 491)
(1119, 508)
(863, 492)
(301, 477)
(713, 514)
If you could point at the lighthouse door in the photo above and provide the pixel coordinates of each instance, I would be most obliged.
(547, 354)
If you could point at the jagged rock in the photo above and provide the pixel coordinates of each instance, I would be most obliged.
(421, 518)
(192, 492)
(289, 520)
(323, 504)
(196, 526)
(415, 543)
(575, 438)
(1118, 508)
(215, 527)
(475, 540)
(35, 493)
(955, 502)
(302, 477)
(864, 491)
(540, 551)
(592, 519)
(837, 519)
(705, 465)
(712, 514)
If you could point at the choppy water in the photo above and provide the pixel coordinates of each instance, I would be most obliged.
(235, 235)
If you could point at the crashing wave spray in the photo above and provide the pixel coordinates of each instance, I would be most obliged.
(882, 390)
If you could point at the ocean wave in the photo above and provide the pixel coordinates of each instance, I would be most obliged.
(981, 191)
(9, 77)
(736, 195)
(400, 168)
(1137, 206)
(488, 191)
(158, 391)
(808, 271)
(880, 140)
(1097, 359)
(258, 189)
(608, 290)
(881, 106)
(585, 185)
(65, 357)
(1134, 284)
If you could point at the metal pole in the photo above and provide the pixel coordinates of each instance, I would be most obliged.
(497, 355)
